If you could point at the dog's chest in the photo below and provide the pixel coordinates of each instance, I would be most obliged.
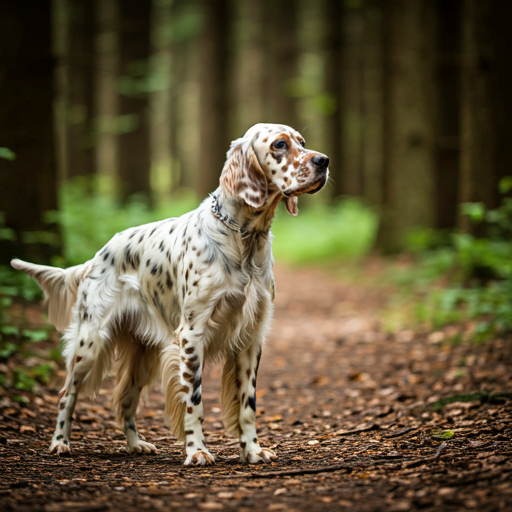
(208, 283)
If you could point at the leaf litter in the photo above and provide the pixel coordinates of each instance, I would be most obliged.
(361, 418)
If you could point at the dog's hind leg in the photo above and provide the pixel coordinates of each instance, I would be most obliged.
(137, 367)
(87, 362)
(88, 359)
(61, 437)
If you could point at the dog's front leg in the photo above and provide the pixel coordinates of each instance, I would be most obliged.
(191, 367)
(239, 403)
(250, 450)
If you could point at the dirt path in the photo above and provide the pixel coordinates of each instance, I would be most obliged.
(356, 416)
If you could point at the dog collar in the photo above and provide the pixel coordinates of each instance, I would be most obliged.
(229, 223)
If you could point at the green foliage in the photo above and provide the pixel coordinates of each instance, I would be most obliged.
(7, 349)
(476, 272)
(23, 381)
(7, 154)
(89, 221)
(439, 433)
(26, 379)
(346, 230)
(321, 232)
(43, 373)
(5, 232)
(36, 335)
(16, 284)
(13, 338)
(481, 396)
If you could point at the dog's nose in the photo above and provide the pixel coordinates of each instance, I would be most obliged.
(320, 161)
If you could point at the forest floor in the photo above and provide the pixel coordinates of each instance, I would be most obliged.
(361, 420)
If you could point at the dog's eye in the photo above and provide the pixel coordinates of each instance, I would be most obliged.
(279, 144)
(303, 143)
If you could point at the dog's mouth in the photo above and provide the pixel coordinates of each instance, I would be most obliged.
(318, 187)
(308, 189)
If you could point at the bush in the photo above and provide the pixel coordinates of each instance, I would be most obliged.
(476, 271)
(322, 232)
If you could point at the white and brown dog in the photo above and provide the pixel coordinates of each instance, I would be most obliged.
(176, 293)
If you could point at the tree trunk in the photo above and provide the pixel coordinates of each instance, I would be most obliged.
(81, 71)
(281, 61)
(409, 120)
(372, 104)
(215, 93)
(249, 67)
(161, 71)
(333, 85)
(107, 108)
(28, 184)
(60, 45)
(448, 80)
(134, 143)
(352, 101)
(180, 57)
(486, 121)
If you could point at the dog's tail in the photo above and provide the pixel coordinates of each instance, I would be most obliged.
(60, 288)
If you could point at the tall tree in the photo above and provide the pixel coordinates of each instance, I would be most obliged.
(134, 142)
(281, 60)
(184, 112)
(486, 121)
(106, 73)
(333, 85)
(81, 72)
(352, 99)
(448, 109)
(161, 67)
(28, 184)
(372, 103)
(249, 66)
(216, 92)
(409, 120)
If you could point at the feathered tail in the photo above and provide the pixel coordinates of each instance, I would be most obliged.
(60, 288)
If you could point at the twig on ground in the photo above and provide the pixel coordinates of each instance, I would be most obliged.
(305, 471)
(373, 426)
(424, 460)
(339, 467)
(400, 432)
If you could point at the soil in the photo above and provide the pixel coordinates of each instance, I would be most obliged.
(361, 420)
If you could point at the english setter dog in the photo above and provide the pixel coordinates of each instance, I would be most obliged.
(169, 296)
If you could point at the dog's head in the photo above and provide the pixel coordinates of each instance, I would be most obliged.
(273, 157)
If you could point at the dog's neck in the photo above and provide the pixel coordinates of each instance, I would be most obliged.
(238, 216)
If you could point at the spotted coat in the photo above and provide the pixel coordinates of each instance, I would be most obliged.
(174, 294)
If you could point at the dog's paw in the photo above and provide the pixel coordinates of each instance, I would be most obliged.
(202, 458)
(260, 455)
(141, 447)
(59, 447)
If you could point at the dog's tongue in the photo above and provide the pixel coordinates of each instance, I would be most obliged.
(291, 205)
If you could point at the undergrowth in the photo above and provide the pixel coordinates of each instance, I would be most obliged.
(460, 276)
(322, 232)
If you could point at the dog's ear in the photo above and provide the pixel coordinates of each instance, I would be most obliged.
(242, 175)
(291, 204)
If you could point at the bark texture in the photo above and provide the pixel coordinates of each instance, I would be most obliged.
(28, 184)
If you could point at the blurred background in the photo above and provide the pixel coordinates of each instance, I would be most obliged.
(115, 113)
